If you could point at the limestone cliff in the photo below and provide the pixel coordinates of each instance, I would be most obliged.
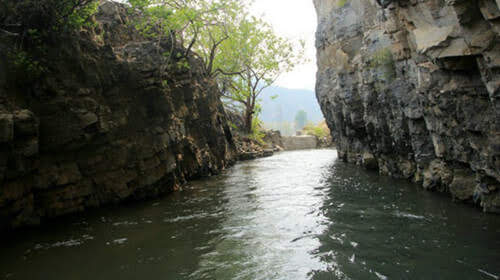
(412, 88)
(112, 122)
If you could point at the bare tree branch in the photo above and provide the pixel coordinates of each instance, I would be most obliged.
(8, 33)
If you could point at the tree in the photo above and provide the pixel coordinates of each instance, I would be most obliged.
(198, 27)
(240, 52)
(286, 129)
(45, 16)
(300, 119)
(263, 57)
(320, 130)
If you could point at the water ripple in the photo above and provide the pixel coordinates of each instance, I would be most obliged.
(296, 215)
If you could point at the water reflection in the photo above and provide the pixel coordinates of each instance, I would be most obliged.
(273, 219)
(140, 241)
(382, 228)
(297, 215)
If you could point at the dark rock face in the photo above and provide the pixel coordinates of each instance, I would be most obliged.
(413, 90)
(112, 123)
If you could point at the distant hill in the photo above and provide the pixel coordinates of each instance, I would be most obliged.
(287, 104)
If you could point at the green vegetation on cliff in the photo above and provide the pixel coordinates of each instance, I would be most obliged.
(241, 52)
(341, 3)
(384, 61)
(32, 26)
(100, 126)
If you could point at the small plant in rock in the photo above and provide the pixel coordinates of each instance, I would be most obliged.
(384, 61)
(381, 57)
(25, 65)
(257, 133)
(183, 64)
(33, 26)
(341, 3)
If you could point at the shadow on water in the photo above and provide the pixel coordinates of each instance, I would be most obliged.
(296, 215)
(381, 228)
(140, 241)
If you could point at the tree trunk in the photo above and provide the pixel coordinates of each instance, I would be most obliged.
(248, 121)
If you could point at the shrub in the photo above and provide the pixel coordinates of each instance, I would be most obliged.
(34, 25)
(257, 130)
(320, 130)
(341, 3)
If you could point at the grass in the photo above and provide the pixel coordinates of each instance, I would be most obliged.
(383, 59)
(341, 3)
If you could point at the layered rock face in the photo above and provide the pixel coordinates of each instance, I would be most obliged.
(112, 122)
(411, 88)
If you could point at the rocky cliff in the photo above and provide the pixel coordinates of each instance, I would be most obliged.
(115, 120)
(412, 88)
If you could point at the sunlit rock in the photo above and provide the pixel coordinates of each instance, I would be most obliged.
(416, 86)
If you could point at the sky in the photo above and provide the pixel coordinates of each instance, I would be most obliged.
(296, 20)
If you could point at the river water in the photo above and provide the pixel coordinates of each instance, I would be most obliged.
(296, 215)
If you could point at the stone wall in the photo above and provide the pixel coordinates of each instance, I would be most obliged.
(411, 88)
(299, 142)
(113, 121)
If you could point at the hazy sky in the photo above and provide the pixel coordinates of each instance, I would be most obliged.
(295, 19)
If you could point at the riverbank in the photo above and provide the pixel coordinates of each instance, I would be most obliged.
(273, 142)
(249, 148)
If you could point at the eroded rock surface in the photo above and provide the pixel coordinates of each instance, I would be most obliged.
(412, 88)
(113, 122)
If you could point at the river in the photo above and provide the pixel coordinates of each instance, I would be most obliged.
(296, 215)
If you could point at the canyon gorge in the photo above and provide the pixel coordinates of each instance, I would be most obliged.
(125, 154)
